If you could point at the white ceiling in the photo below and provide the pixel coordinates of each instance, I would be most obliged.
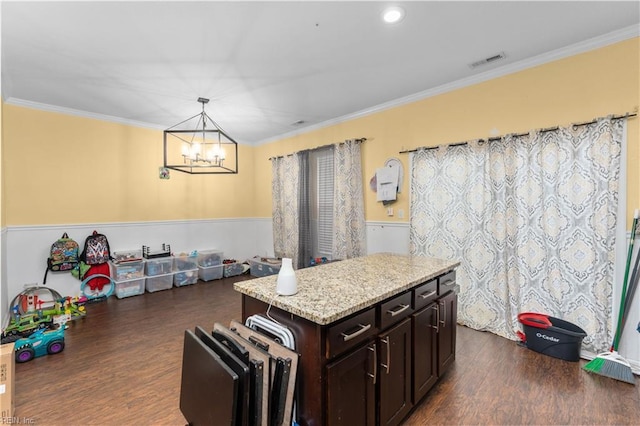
(266, 65)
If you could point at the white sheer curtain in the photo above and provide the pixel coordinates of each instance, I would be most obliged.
(349, 235)
(285, 192)
(532, 220)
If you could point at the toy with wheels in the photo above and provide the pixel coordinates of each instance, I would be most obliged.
(40, 343)
(33, 299)
(96, 296)
(25, 325)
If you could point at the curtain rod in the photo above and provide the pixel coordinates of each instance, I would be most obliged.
(548, 129)
(359, 140)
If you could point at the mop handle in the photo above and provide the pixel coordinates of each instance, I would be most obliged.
(632, 238)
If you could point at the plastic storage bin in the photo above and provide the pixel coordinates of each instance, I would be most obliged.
(158, 266)
(127, 270)
(262, 267)
(208, 258)
(233, 269)
(185, 263)
(210, 273)
(551, 336)
(128, 288)
(185, 277)
(159, 282)
(120, 256)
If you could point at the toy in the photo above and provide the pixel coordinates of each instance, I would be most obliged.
(33, 298)
(30, 312)
(25, 325)
(42, 342)
(97, 295)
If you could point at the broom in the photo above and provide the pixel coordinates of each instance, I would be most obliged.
(611, 364)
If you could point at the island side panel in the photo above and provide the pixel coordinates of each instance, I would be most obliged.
(310, 345)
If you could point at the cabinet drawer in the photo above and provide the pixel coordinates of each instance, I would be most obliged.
(447, 282)
(425, 294)
(350, 332)
(395, 309)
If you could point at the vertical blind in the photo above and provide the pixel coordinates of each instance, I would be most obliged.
(324, 199)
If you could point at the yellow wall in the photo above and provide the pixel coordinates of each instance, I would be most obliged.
(62, 169)
(575, 89)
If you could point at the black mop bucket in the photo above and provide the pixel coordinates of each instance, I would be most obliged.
(551, 336)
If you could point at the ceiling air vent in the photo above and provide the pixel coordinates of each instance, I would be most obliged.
(491, 59)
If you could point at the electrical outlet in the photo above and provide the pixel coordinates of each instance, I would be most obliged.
(400, 214)
(389, 211)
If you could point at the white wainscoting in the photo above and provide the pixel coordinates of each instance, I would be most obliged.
(25, 248)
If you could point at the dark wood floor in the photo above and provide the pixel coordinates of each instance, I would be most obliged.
(122, 366)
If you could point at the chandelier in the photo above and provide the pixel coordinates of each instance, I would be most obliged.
(198, 145)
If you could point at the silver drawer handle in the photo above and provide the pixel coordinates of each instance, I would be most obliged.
(448, 283)
(387, 366)
(427, 295)
(375, 363)
(402, 309)
(363, 328)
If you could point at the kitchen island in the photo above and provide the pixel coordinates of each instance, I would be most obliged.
(374, 334)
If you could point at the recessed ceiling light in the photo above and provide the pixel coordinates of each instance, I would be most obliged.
(393, 14)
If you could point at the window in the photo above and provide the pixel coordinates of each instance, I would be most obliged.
(321, 196)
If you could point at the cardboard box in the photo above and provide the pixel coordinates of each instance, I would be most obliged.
(7, 373)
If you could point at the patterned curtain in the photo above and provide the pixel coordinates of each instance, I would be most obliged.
(532, 220)
(349, 236)
(285, 193)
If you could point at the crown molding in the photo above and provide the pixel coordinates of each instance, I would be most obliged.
(554, 55)
(79, 113)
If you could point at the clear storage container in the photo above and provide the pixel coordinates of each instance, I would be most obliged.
(185, 277)
(133, 255)
(185, 263)
(158, 266)
(262, 267)
(128, 288)
(127, 270)
(208, 258)
(159, 282)
(210, 273)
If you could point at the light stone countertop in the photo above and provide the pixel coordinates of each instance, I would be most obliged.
(332, 291)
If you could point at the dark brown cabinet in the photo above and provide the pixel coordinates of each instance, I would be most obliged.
(373, 366)
(447, 310)
(351, 385)
(425, 356)
(434, 338)
(394, 372)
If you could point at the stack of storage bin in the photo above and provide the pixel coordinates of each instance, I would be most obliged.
(127, 270)
(159, 272)
(210, 265)
(185, 270)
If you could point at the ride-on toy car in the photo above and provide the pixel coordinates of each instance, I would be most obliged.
(41, 342)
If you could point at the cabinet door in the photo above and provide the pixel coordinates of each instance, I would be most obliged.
(425, 366)
(448, 315)
(394, 373)
(351, 388)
